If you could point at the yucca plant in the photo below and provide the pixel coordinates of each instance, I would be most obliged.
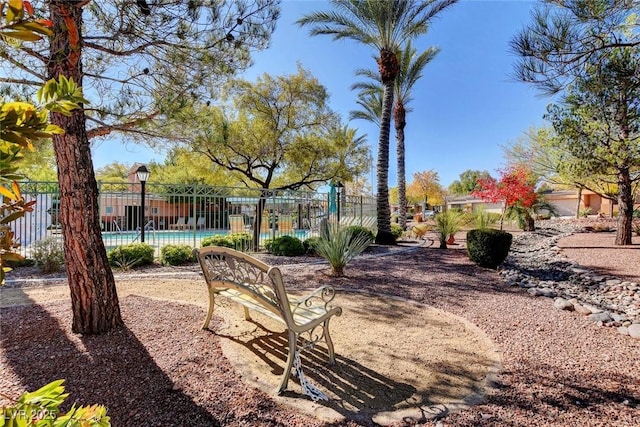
(339, 246)
(448, 223)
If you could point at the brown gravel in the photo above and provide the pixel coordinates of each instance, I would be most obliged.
(558, 368)
(597, 252)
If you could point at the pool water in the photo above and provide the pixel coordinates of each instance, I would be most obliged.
(192, 237)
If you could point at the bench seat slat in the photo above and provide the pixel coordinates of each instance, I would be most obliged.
(302, 314)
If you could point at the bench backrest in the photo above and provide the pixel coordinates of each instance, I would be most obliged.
(225, 268)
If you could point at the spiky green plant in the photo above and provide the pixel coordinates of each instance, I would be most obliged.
(448, 223)
(40, 408)
(484, 219)
(339, 246)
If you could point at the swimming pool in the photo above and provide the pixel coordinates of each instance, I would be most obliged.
(189, 237)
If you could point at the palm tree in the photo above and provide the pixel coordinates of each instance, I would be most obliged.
(385, 26)
(370, 103)
(411, 67)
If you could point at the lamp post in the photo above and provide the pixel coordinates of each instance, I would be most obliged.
(339, 187)
(143, 175)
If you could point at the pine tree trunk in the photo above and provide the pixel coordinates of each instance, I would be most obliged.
(579, 202)
(625, 206)
(402, 185)
(94, 299)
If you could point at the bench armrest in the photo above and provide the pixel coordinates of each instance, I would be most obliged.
(321, 296)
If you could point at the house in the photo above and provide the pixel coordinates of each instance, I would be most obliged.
(471, 204)
(565, 202)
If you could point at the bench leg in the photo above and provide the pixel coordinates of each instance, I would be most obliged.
(212, 300)
(293, 344)
(247, 316)
(327, 339)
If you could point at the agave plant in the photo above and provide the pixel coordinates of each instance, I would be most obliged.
(448, 223)
(339, 245)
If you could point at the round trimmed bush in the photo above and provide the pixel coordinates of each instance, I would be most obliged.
(238, 241)
(488, 247)
(217, 241)
(310, 245)
(285, 246)
(396, 230)
(176, 254)
(358, 230)
(133, 254)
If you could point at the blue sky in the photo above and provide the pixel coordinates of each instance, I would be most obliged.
(465, 108)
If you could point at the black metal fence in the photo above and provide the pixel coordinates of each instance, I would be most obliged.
(186, 214)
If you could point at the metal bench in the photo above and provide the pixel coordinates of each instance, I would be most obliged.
(259, 287)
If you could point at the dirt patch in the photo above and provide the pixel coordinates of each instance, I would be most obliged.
(405, 361)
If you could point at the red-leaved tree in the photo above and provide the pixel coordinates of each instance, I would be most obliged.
(514, 190)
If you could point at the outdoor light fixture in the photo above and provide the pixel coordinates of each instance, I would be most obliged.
(143, 175)
(339, 187)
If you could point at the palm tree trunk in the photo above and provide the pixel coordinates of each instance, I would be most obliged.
(400, 121)
(383, 210)
(94, 299)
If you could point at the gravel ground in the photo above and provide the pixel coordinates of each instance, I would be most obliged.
(559, 369)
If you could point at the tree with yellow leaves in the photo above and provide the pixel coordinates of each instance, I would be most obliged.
(426, 188)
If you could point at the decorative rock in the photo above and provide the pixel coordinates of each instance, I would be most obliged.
(581, 309)
(600, 317)
(618, 317)
(579, 270)
(592, 308)
(623, 330)
(634, 331)
(542, 292)
(562, 304)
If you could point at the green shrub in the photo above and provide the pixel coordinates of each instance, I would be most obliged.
(310, 245)
(48, 254)
(447, 224)
(340, 246)
(483, 219)
(131, 255)
(176, 254)
(636, 227)
(396, 230)
(26, 262)
(239, 241)
(43, 404)
(585, 212)
(285, 246)
(358, 230)
(488, 247)
(225, 241)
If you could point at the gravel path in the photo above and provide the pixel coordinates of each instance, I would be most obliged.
(559, 369)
